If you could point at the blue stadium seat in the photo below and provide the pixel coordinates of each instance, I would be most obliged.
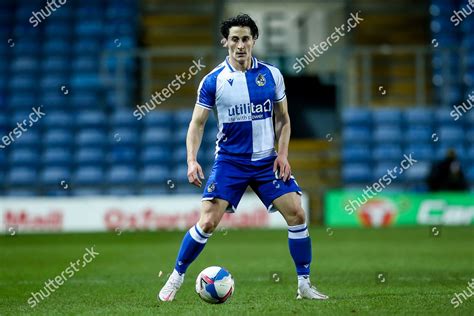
(381, 169)
(419, 134)
(54, 176)
(20, 83)
(122, 155)
(418, 172)
(22, 102)
(421, 151)
(20, 192)
(91, 137)
(123, 118)
(86, 80)
(182, 117)
(387, 153)
(357, 116)
(356, 173)
(26, 64)
(91, 28)
(53, 46)
(24, 157)
(419, 116)
(459, 148)
(21, 176)
(124, 137)
(385, 117)
(54, 29)
(86, 64)
(90, 156)
(58, 119)
(53, 65)
(122, 175)
(155, 155)
(58, 138)
(159, 119)
(451, 135)
(85, 100)
(29, 139)
(387, 134)
(56, 156)
(443, 117)
(53, 81)
(180, 155)
(53, 99)
(356, 135)
(356, 153)
(87, 191)
(156, 136)
(90, 119)
(179, 135)
(154, 175)
(88, 176)
(180, 174)
(121, 191)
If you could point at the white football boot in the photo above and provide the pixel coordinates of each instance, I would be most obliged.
(171, 287)
(307, 291)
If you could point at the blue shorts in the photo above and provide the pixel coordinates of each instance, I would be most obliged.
(231, 176)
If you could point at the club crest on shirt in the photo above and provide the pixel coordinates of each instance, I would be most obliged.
(260, 80)
(211, 187)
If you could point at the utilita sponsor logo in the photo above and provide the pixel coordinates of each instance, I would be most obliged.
(25, 220)
(152, 220)
(436, 212)
(377, 213)
(250, 111)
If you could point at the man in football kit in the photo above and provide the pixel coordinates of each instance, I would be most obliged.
(244, 94)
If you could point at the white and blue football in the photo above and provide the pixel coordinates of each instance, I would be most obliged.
(215, 285)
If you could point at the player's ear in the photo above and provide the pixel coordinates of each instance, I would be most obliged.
(224, 42)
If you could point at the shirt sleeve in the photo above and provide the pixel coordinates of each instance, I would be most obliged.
(279, 87)
(206, 94)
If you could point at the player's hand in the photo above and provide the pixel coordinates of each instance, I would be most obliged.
(195, 173)
(283, 167)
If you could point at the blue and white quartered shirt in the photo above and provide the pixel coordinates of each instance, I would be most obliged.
(243, 104)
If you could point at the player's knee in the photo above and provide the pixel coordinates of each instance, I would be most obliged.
(208, 224)
(297, 216)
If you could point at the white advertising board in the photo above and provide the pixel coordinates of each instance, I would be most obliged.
(96, 214)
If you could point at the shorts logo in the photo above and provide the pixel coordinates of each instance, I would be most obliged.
(211, 187)
(260, 80)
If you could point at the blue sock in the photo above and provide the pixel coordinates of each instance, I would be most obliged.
(300, 248)
(191, 246)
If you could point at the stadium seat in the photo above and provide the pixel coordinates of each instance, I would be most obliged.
(418, 172)
(356, 173)
(387, 153)
(90, 119)
(58, 138)
(356, 135)
(421, 151)
(356, 153)
(88, 176)
(91, 137)
(121, 175)
(90, 156)
(24, 157)
(159, 119)
(155, 155)
(124, 137)
(419, 134)
(451, 135)
(154, 175)
(21, 176)
(122, 155)
(387, 134)
(58, 119)
(53, 176)
(156, 136)
(28, 139)
(357, 116)
(123, 119)
(56, 156)
(419, 116)
(389, 116)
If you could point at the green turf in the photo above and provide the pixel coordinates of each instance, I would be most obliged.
(421, 272)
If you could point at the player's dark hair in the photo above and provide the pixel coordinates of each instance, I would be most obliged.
(239, 20)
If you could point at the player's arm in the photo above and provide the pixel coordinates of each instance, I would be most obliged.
(282, 134)
(193, 142)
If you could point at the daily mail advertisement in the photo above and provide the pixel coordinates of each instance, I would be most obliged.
(99, 214)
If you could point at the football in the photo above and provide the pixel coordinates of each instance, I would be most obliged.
(214, 285)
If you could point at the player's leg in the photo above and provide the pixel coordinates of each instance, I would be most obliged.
(192, 245)
(299, 242)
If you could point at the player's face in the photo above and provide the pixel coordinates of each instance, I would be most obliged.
(240, 43)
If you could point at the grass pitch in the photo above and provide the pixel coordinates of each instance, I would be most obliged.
(379, 272)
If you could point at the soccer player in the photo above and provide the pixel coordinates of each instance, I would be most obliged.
(245, 95)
